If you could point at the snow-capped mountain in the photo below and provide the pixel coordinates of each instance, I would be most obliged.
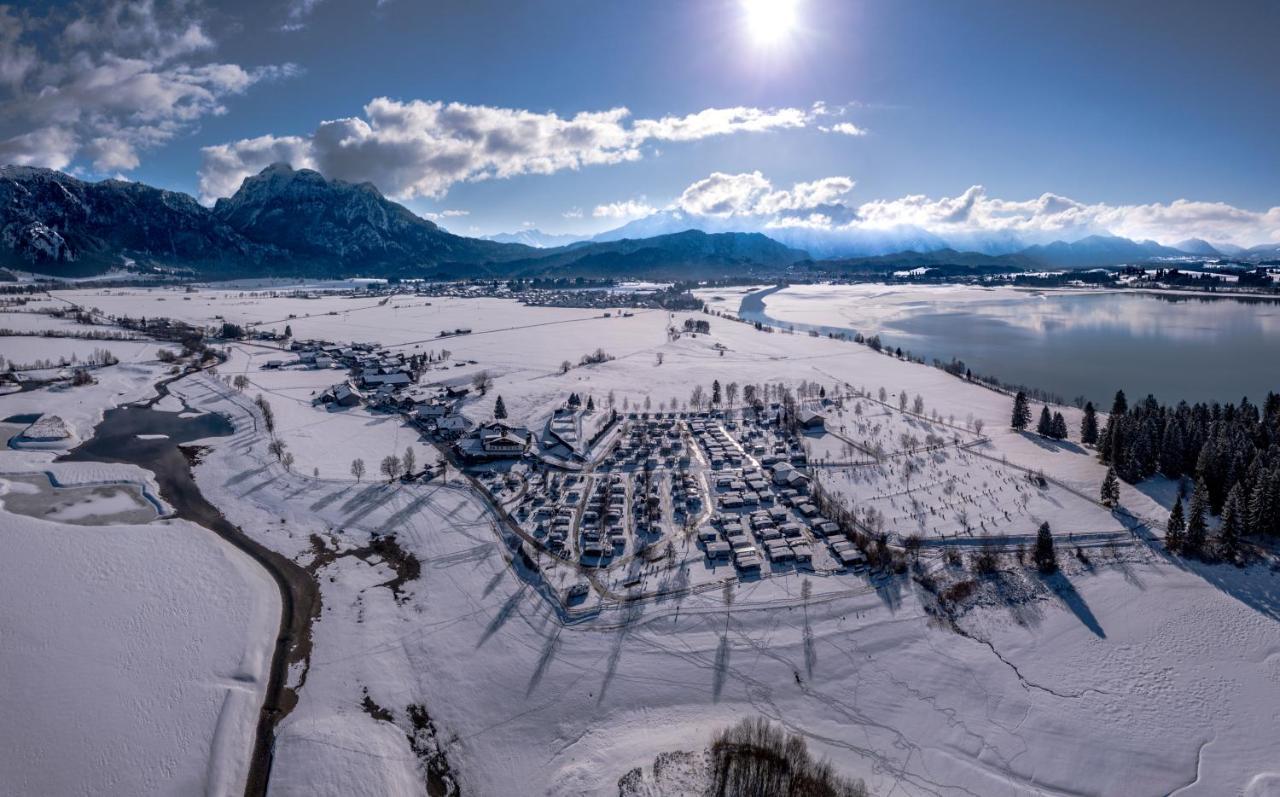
(861, 242)
(334, 222)
(298, 222)
(1098, 250)
(55, 222)
(537, 238)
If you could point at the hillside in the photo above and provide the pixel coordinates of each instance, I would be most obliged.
(288, 221)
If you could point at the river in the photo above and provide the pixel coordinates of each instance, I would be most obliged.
(116, 439)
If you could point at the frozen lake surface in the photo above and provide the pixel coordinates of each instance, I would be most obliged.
(1070, 343)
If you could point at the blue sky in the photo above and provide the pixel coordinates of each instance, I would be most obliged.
(1124, 108)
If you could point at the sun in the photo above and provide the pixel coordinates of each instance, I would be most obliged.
(770, 22)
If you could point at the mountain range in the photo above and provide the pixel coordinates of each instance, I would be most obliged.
(295, 221)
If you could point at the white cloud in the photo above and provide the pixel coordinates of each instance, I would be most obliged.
(824, 204)
(419, 148)
(119, 79)
(1052, 216)
(226, 165)
(719, 122)
(48, 146)
(626, 209)
(844, 128)
(572, 213)
(446, 214)
(752, 194)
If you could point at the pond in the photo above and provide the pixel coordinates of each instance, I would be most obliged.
(38, 495)
(1070, 343)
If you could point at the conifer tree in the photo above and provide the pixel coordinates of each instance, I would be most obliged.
(1264, 503)
(1059, 427)
(591, 403)
(1176, 530)
(1110, 489)
(1230, 531)
(1021, 412)
(499, 409)
(715, 392)
(1046, 558)
(1197, 520)
(1045, 426)
(1089, 425)
(1120, 405)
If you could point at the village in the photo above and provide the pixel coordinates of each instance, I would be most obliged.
(616, 491)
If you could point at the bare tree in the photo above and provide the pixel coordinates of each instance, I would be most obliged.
(659, 358)
(482, 382)
(731, 393)
(240, 382)
(565, 366)
(277, 449)
(268, 416)
(357, 468)
(390, 466)
(917, 406)
(409, 460)
(977, 425)
(287, 460)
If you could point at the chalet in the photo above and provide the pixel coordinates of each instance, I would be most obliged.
(372, 378)
(342, 394)
(452, 425)
(493, 441)
(812, 420)
(430, 411)
(784, 475)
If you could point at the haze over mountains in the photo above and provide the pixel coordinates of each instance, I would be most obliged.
(835, 243)
(283, 220)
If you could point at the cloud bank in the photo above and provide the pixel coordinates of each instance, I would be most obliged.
(103, 86)
(826, 205)
(420, 148)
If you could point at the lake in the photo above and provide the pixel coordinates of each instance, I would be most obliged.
(1072, 343)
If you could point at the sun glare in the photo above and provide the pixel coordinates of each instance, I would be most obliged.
(770, 22)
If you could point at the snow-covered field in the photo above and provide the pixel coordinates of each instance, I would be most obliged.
(134, 657)
(527, 704)
(1130, 674)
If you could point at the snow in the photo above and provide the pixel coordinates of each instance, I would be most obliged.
(1132, 674)
(26, 349)
(136, 656)
(82, 407)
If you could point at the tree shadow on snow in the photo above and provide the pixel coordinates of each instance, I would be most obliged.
(504, 614)
(1162, 490)
(1053, 446)
(721, 668)
(243, 475)
(325, 500)
(1067, 593)
(630, 614)
(544, 662)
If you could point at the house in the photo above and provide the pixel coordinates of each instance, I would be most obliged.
(431, 411)
(394, 379)
(492, 441)
(812, 420)
(343, 395)
(452, 425)
(784, 475)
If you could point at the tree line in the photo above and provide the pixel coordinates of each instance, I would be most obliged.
(1231, 452)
